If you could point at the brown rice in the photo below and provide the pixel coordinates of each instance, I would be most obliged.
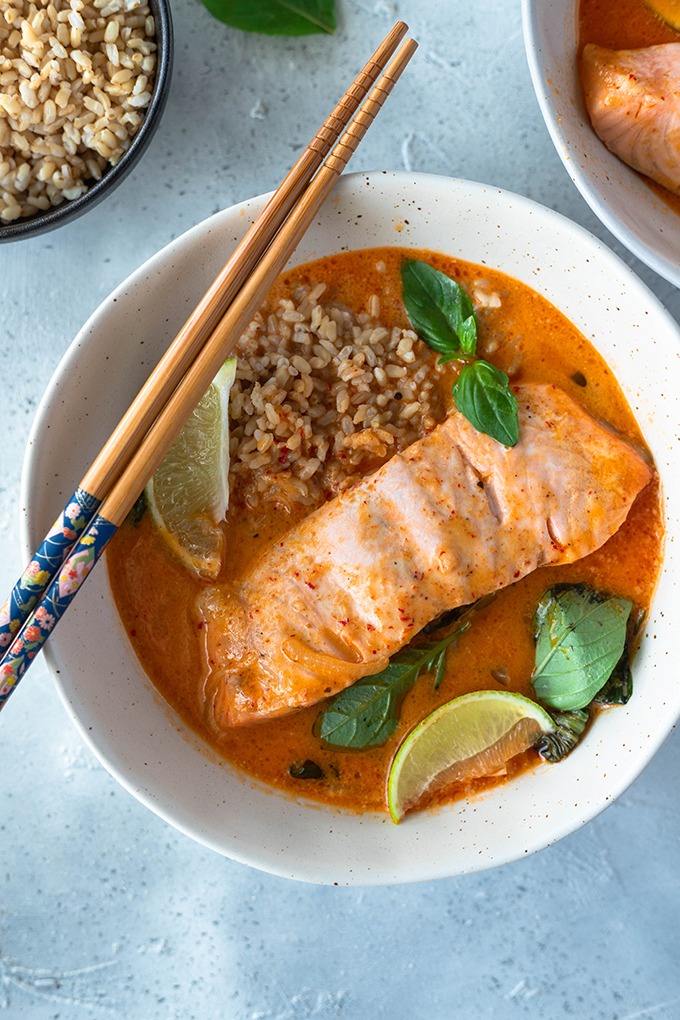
(322, 396)
(75, 79)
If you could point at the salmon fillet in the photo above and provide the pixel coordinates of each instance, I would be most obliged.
(633, 100)
(450, 519)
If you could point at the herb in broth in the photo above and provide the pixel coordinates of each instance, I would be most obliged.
(460, 612)
(276, 17)
(443, 315)
(439, 310)
(619, 687)
(365, 714)
(569, 728)
(482, 394)
(138, 510)
(580, 639)
(306, 769)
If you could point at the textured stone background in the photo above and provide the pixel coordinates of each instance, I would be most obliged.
(107, 912)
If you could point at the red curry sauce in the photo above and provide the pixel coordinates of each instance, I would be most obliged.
(532, 341)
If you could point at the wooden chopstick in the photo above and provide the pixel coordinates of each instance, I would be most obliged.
(229, 281)
(221, 343)
(136, 421)
(165, 429)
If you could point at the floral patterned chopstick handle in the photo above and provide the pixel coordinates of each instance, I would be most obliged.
(55, 547)
(54, 603)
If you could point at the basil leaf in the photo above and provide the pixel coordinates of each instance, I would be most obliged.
(449, 617)
(467, 333)
(570, 725)
(438, 669)
(443, 315)
(439, 309)
(580, 636)
(463, 614)
(276, 17)
(365, 714)
(138, 510)
(482, 393)
(306, 769)
(619, 687)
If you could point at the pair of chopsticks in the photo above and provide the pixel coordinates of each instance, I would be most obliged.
(155, 418)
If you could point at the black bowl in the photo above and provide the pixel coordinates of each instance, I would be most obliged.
(41, 222)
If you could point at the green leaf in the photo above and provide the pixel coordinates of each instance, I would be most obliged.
(482, 393)
(468, 334)
(443, 315)
(138, 511)
(276, 17)
(619, 688)
(365, 714)
(462, 613)
(438, 669)
(569, 727)
(306, 769)
(580, 637)
(439, 309)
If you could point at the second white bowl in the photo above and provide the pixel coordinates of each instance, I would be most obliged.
(648, 227)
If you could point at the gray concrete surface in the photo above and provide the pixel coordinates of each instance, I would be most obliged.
(107, 912)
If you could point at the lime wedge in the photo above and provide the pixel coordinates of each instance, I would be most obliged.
(667, 10)
(188, 495)
(471, 736)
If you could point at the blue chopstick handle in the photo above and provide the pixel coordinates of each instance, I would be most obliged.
(56, 545)
(54, 603)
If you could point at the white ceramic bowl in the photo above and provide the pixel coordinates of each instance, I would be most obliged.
(615, 193)
(128, 726)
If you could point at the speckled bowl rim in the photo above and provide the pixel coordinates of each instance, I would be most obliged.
(617, 195)
(42, 223)
(125, 722)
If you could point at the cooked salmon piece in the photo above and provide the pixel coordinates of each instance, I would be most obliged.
(448, 520)
(633, 100)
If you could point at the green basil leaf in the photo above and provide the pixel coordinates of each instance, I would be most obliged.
(439, 309)
(306, 769)
(138, 511)
(482, 393)
(438, 669)
(467, 333)
(365, 714)
(460, 613)
(619, 688)
(569, 727)
(276, 17)
(449, 617)
(580, 637)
